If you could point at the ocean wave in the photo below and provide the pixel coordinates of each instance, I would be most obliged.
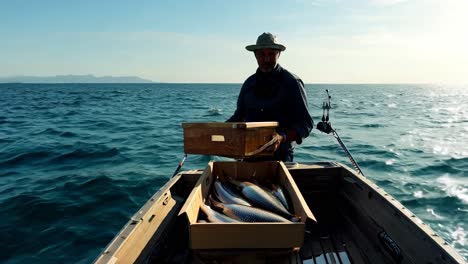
(40, 107)
(434, 201)
(458, 163)
(6, 140)
(118, 92)
(68, 134)
(72, 103)
(214, 112)
(82, 154)
(455, 187)
(27, 158)
(372, 151)
(17, 107)
(17, 121)
(71, 113)
(9, 173)
(103, 124)
(48, 131)
(434, 214)
(451, 166)
(373, 125)
(376, 165)
(25, 206)
(98, 98)
(49, 220)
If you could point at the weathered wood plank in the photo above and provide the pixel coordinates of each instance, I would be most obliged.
(228, 139)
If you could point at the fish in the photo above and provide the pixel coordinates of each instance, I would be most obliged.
(215, 217)
(227, 196)
(261, 198)
(279, 193)
(247, 213)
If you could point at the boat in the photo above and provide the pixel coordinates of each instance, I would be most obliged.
(357, 222)
(354, 220)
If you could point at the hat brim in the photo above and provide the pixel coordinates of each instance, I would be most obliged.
(268, 46)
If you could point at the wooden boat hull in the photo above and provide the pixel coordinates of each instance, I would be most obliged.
(357, 222)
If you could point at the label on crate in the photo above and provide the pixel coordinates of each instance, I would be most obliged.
(217, 138)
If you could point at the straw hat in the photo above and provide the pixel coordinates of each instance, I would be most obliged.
(266, 41)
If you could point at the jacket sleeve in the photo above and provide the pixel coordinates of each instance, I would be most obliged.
(302, 121)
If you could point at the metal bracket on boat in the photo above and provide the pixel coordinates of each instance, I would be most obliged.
(391, 246)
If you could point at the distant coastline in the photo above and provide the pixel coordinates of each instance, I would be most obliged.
(88, 78)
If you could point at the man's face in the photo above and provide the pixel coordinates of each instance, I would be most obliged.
(267, 59)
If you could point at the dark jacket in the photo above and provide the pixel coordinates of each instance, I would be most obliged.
(276, 96)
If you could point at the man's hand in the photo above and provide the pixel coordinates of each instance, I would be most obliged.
(277, 143)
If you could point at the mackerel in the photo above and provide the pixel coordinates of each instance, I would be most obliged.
(279, 193)
(262, 198)
(214, 216)
(227, 196)
(247, 213)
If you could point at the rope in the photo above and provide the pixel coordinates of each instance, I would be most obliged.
(262, 148)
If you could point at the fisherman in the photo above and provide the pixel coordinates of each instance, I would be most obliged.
(274, 94)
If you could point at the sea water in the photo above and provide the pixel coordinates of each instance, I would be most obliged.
(78, 160)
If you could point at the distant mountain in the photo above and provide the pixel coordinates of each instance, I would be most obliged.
(89, 78)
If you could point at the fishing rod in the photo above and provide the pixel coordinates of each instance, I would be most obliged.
(325, 127)
(181, 163)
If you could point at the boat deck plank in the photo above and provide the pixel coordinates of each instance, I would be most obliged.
(334, 239)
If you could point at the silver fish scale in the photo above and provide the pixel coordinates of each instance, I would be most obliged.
(214, 216)
(263, 199)
(278, 192)
(227, 196)
(251, 214)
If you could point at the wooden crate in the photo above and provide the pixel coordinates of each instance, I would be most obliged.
(228, 139)
(242, 235)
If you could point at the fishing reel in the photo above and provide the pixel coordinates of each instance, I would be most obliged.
(325, 125)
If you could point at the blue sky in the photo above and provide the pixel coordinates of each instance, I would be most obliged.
(328, 41)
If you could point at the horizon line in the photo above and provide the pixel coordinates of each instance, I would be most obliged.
(240, 83)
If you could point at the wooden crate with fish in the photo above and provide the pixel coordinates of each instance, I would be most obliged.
(229, 139)
(235, 205)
